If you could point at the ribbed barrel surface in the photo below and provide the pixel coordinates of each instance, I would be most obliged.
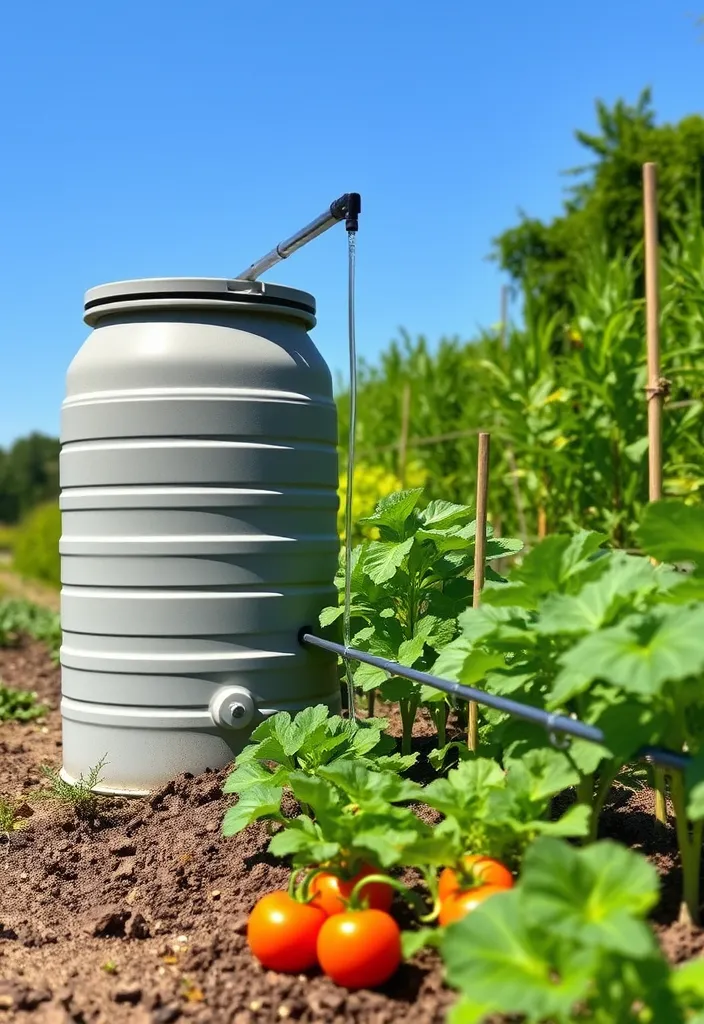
(199, 501)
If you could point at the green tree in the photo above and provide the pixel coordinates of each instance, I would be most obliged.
(29, 474)
(606, 199)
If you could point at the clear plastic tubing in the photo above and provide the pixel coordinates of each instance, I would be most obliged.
(346, 618)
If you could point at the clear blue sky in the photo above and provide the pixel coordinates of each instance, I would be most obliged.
(152, 139)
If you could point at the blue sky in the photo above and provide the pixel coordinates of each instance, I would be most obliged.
(149, 139)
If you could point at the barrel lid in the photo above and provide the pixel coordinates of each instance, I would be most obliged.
(199, 290)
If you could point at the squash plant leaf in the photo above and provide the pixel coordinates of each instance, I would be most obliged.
(494, 958)
(598, 895)
(639, 655)
(673, 532)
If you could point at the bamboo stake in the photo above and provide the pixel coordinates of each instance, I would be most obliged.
(655, 391)
(479, 559)
(403, 439)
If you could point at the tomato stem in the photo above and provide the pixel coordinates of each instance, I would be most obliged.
(356, 900)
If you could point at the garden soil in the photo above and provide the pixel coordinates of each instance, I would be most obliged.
(140, 915)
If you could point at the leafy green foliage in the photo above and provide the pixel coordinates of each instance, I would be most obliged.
(19, 705)
(18, 618)
(572, 933)
(408, 588)
(80, 795)
(357, 820)
(499, 813)
(607, 198)
(36, 545)
(563, 393)
(606, 637)
(282, 746)
(29, 475)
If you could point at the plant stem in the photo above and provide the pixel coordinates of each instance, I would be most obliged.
(371, 701)
(585, 790)
(660, 798)
(408, 708)
(605, 784)
(439, 715)
(690, 852)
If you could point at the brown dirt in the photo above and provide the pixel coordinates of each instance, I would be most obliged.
(140, 916)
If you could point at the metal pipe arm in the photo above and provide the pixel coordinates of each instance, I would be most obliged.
(347, 208)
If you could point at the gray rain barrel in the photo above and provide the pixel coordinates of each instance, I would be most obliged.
(199, 500)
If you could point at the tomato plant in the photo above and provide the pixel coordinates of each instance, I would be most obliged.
(282, 745)
(408, 588)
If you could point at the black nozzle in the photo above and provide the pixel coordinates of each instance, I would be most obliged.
(348, 208)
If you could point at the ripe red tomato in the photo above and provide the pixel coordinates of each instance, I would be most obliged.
(480, 871)
(457, 905)
(330, 892)
(282, 933)
(360, 949)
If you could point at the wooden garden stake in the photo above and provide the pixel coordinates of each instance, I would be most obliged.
(403, 440)
(479, 558)
(656, 387)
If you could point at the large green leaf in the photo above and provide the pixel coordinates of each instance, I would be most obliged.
(255, 803)
(598, 602)
(541, 774)
(639, 655)
(557, 561)
(444, 514)
(392, 514)
(596, 896)
(673, 532)
(384, 559)
(493, 958)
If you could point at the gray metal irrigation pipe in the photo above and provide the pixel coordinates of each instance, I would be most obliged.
(550, 721)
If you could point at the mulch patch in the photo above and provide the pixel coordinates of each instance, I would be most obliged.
(140, 916)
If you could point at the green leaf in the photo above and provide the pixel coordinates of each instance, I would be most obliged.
(468, 1011)
(443, 514)
(597, 895)
(369, 677)
(694, 783)
(673, 532)
(302, 840)
(330, 615)
(438, 757)
(255, 803)
(557, 561)
(384, 559)
(410, 651)
(639, 655)
(574, 822)
(250, 774)
(361, 785)
(541, 774)
(597, 603)
(493, 958)
(468, 784)
(423, 938)
(391, 515)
